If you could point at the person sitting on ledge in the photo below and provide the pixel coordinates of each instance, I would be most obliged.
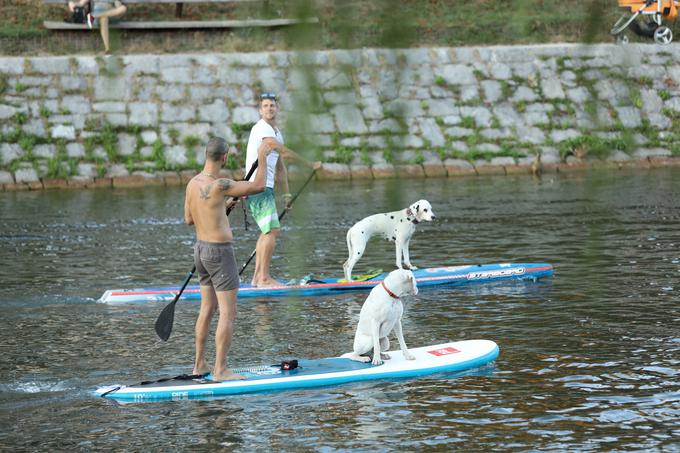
(101, 12)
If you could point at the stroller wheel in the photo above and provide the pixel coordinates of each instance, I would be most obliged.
(663, 35)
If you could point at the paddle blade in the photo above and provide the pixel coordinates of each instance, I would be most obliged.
(165, 321)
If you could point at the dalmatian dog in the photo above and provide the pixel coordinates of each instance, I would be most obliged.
(397, 226)
(380, 315)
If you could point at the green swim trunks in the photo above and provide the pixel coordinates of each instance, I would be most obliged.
(263, 208)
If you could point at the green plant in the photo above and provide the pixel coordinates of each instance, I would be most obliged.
(636, 98)
(440, 81)
(20, 87)
(419, 158)
(44, 112)
(191, 141)
(468, 122)
(343, 155)
(3, 83)
(19, 118)
(664, 94)
(424, 104)
(158, 155)
(521, 106)
(173, 134)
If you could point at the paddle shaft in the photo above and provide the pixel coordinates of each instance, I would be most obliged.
(283, 213)
(166, 319)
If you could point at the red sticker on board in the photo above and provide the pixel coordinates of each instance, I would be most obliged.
(444, 351)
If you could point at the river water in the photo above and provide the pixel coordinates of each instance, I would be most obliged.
(589, 358)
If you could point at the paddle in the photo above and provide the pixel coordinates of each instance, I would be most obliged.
(283, 213)
(166, 319)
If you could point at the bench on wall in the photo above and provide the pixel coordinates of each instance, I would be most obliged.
(178, 24)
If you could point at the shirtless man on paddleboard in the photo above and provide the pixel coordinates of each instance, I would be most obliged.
(205, 207)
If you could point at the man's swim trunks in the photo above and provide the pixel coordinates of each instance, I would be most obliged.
(263, 208)
(216, 265)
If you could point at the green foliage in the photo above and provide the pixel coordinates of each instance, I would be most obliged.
(419, 158)
(19, 118)
(3, 83)
(440, 81)
(173, 134)
(343, 155)
(664, 94)
(468, 122)
(158, 155)
(241, 129)
(44, 112)
(521, 106)
(588, 145)
(27, 142)
(20, 87)
(191, 141)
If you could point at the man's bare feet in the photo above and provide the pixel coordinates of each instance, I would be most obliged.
(201, 368)
(228, 375)
(271, 283)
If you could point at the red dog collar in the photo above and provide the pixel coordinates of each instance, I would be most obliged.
(394, 296)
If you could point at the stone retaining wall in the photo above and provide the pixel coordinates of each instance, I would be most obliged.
(88, 121)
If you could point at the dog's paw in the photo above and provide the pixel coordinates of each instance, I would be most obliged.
(360, 358)
(385, 356)
(377, 361)
(409, 356)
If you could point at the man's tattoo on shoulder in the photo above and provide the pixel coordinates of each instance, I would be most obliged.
(224, 184)
(205, 192)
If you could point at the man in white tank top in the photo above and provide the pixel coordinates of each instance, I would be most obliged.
(263, 205)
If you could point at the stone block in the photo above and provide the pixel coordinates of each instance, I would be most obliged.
(349, 120)
(629, 117)
(55, 183)
(334, 171)
(26, 174)
(149, 137)
(67, 132)
(217, 112)
(178, 74)
(5, 176)
(143, 113)
(35, 127)
(7, 111)
(50, 65)
(458, 74)
(383, 170)
(10, 152)
(455, 167)
(127, 144)
(109, 107)
(111, 88)
(409, 171)
(116, 171)
(361, 171)
(45, 151)
(175, 155)
(645, 153)
(87, 170)
(12, 65)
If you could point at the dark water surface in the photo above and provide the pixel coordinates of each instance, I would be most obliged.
(590, 359)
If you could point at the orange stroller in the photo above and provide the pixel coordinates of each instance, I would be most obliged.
(656, 10)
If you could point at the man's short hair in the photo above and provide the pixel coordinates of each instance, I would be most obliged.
(216, 149)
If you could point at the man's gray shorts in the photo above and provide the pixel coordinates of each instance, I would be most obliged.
(216, 265)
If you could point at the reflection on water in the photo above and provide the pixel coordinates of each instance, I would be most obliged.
(589, 359)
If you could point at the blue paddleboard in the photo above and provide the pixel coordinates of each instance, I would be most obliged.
(435, 276)
(446, 357)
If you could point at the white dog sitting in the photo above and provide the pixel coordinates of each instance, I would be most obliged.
(380, 314)
(397, 226)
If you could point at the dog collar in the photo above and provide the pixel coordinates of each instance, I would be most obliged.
(392, 295)
(409, 214)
